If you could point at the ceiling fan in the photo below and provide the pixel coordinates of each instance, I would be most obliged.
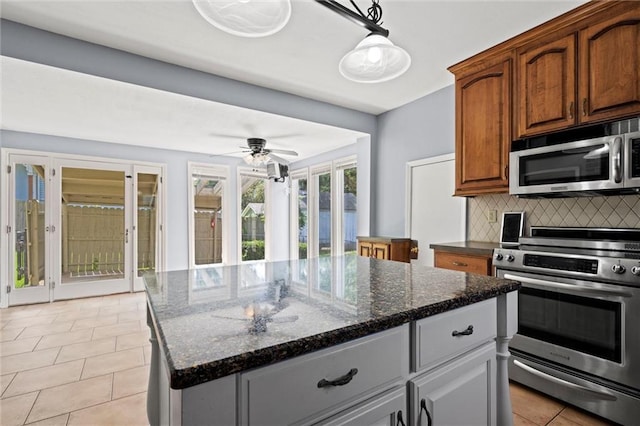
(259, 155)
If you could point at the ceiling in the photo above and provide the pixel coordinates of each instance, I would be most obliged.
(302, 59)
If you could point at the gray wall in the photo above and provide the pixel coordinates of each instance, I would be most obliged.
(421, 129)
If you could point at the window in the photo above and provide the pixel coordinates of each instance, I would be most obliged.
(347, 226)
(253, 216)
(299, 225)
(320, 241)
(207, 230)
(324, 211)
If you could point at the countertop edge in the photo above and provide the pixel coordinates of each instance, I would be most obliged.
(193, 376)
(478, 248)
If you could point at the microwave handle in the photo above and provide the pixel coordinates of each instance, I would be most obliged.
(617, 159)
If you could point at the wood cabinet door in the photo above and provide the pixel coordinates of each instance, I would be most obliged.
(381, 251)
(365, 249)
(609, 72)
(546, 82)
(483, 130)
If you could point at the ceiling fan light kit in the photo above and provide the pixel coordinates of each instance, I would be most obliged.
(374, 60)
(246, 18)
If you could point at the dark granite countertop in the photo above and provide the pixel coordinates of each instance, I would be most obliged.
(222, 320)
(478, 248)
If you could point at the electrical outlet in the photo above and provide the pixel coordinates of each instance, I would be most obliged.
(492, 216)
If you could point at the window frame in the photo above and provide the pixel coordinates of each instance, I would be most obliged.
(214, 171)
(262, 174)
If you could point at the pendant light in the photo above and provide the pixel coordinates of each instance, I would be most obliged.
(246, 18)
(375, 59)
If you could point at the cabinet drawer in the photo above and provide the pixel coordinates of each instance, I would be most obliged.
(289, 392)
(434, 340)
(463, 262)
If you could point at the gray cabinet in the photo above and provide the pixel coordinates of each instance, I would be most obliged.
(389, 409)
(460, 392)
(324, 382)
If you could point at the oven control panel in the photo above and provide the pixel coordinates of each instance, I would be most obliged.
(607, 269)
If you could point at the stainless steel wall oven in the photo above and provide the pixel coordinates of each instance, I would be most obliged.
(579, 316)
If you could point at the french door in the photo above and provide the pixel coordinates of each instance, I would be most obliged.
(76, 228)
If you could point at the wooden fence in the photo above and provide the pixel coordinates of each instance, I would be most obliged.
(208, 237)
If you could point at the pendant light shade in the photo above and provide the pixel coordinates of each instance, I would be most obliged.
(246, 18)
(374, 60)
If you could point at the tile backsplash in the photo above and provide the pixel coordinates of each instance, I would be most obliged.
(611, 211)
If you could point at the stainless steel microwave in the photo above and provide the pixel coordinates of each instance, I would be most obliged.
(600, 166)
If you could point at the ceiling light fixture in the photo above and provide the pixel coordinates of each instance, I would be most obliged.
(246, 18)
(256, 159)
(375, 59)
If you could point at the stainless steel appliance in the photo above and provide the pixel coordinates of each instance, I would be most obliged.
(578, 317)
(548, 167)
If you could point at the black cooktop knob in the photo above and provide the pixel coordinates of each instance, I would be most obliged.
(499, 256)
(510, 258)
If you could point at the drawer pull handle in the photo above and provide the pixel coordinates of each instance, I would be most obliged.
(466, 332)
(459, 263)
(423, 406)
(340, 381)
(400, 421)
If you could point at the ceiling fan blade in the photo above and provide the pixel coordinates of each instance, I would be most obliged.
(283, 151)
(278, 159)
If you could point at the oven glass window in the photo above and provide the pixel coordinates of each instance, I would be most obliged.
(588, 325)
(590, 163)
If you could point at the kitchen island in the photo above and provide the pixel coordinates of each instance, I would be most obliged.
(332, 340)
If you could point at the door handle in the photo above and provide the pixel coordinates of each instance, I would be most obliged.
(467, 332)
(571, 110)
(340, 381)
(556, 380)
(423, 407)
(617, 159)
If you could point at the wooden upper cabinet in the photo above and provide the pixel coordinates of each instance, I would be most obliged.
(483, 129)
(609, 69)
(546, 81)
(589, 75)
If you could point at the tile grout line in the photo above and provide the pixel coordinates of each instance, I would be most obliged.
(31, 409)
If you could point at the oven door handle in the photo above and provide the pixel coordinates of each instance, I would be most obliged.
(574, 288)
(606, 396)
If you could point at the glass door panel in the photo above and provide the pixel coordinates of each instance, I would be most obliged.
(94, 215)
(29, 236)
(147, 222)
(252, 214)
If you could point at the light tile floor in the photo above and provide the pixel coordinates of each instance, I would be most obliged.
(533, 408)
(78, 362)
(86, 362)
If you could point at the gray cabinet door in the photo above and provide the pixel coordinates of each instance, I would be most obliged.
(389, 409)
(461, 392)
